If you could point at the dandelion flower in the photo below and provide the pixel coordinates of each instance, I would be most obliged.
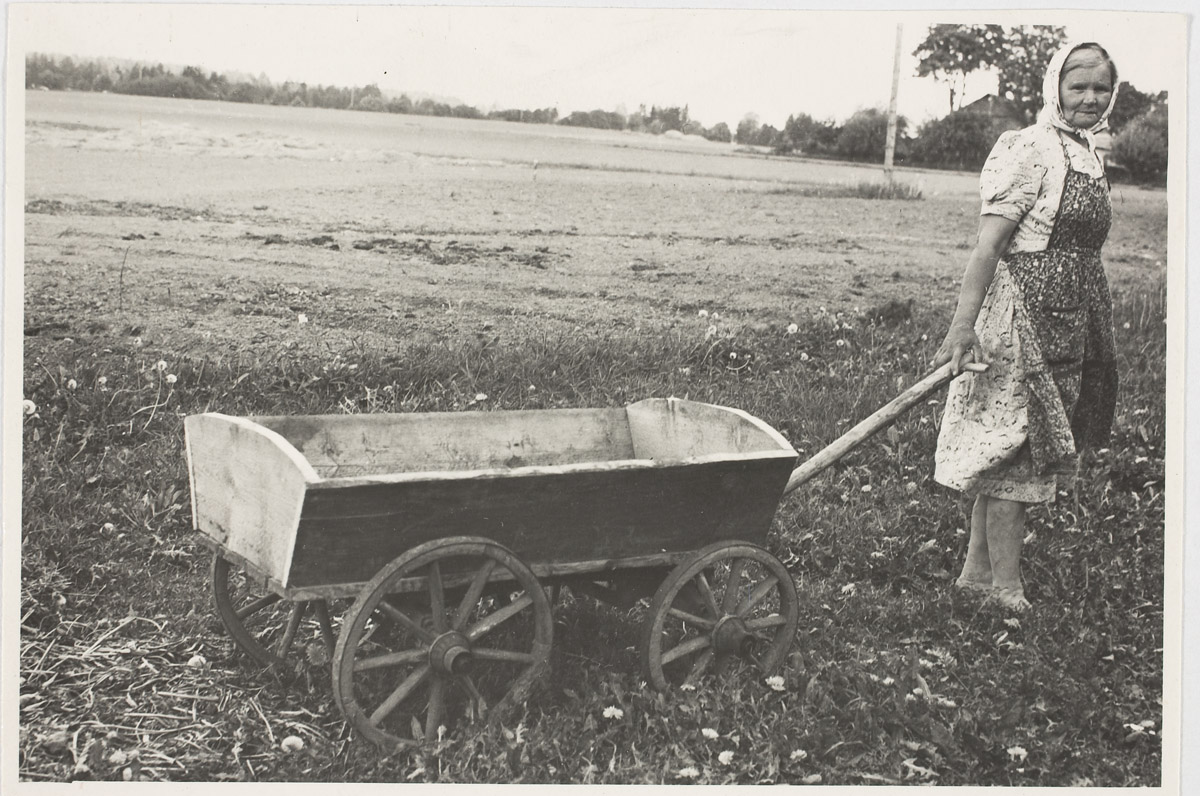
(102, 381)
(889, 680)
(703, 313)
(108, 527)
(924, 337)
(804, 357)
(1125, 325)
(480, 397)
(137, 341)
(776, 683)
(710, 733)
(197, 662)
(302, 318)
(947, 703)
(725, 757)
(160, 365)
(798, 754)
(71, 384)
(910, 698)
(918, 691)
(171, 378)
(733, 355)
(716, 316)
(687, 687)
(866, 487)
(878, 554)
(292, 743)
(710, 332)
(612, 712)
(688, 772)
(840, 342)
(1017, 754)
(910, 487)
(1013, 622)
(792, 328)
(28, 407)
(849, 588)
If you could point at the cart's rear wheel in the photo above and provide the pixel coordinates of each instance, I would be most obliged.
(730, 604)
(264, 625)
(468, 639)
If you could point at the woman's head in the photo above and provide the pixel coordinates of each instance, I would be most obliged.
(1080, 87)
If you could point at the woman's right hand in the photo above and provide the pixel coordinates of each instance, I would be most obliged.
(960, 346)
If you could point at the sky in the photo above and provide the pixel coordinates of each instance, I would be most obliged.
(723, 64)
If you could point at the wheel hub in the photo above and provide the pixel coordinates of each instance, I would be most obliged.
(450, 653)
(730, 636)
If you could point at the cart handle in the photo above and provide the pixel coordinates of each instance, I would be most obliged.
(883, 418)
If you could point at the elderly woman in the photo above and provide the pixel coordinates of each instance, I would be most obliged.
(1035, 306)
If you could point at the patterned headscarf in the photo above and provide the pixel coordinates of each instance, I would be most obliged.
(1051, 112)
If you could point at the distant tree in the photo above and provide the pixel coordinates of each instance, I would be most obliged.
(1025, 55)
(1131, 104)
(718, 132)
(961, 140)
(747, 129)
(951, 52)
(371, 102)
(864, 135)
(1141, 148)
(802, 132)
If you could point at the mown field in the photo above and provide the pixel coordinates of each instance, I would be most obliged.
(183, 257)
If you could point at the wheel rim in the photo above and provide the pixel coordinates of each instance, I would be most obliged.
(469, 643)
(265, 626)
(730, 605)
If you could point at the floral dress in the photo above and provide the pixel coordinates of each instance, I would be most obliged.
(1046, 329)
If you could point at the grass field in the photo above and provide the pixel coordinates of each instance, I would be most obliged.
(183, 257)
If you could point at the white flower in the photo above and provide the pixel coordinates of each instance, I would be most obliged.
(687, 687)
(910, 698)
(1017, 754)
(733, 354)
(1013, 622)
(725, 757)
(716, 316)
(1125, 325)
(160, 365)
(849, 588)
(924, 337)
(866, 487)
(710, 733)
(71, 384)
(804, 357)
(711, 332)
(480, 397)
(889, 680)
(108, 527)
(839, 342)
(118, 757)
(171, 378)
(28, 407)
(302, 318)
(918, 691)
(612, 712)
(792, 328)
(703, 313)
(688, 772)
(877, 554)
(775, 682)
(947, 703)
(197, 661)
(798, 754)
(910, 487)
(137, 341)
(292, 743)
(102, 381)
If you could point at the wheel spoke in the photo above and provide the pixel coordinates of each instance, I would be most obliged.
(764, 622)
(733, 586)
(481, 705)
(391, 659)
(707, 593)
(437, 598)
(437, 701)
(756, 596)
(403, 619)
(473, 593)
(699, 621)
(257, 605)
(490, 622)
(702, 661)
(488, 654)
(289, 634)
(401, 693)
(685, 648)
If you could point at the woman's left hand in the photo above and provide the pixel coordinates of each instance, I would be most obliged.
(960, 346)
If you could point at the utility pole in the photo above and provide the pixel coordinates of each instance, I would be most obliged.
(890, 151)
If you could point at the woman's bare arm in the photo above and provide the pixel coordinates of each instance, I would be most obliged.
(994, 234)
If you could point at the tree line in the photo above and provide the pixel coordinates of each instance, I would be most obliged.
(949, 53)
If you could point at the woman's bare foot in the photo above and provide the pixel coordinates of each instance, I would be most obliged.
(1012, 598)
(971, 585)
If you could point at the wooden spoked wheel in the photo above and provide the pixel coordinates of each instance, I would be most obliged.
(455, 629)
(731, 604)
(265, 626)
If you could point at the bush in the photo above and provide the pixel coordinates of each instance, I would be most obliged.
(1141, 148)
(958, 141)
(864, 135)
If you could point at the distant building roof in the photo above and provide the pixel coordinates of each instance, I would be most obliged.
(995, 106)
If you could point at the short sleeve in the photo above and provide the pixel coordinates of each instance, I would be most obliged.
(1011, 178)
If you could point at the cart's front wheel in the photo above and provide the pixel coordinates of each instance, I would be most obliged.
(454, 628)
(264, 625)
(730, 603)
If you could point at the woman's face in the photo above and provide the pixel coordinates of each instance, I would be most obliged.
(1085, 88)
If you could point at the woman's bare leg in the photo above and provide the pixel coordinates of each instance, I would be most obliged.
(1005, 536)
(977, 569)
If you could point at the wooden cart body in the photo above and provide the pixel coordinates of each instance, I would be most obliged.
(315, 506)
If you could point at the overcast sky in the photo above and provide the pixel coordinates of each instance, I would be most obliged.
(722, 63)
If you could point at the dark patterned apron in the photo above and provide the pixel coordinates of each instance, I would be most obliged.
(1066, 300)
